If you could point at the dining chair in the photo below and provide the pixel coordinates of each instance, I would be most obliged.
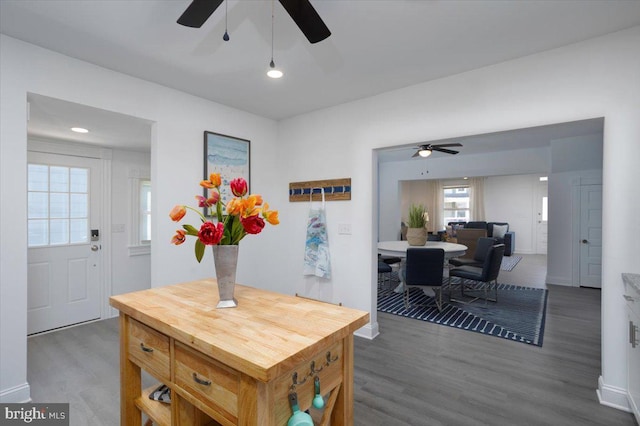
(384, 273)
(482, 249)
(423, 269)
(485, 278)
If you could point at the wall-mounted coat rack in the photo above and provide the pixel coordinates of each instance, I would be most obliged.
(334, 189)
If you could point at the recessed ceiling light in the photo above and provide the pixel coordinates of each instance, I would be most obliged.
(79, 130)
(543, 178)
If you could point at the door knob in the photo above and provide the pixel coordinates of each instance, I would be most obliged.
(94, 248)
(585, 242)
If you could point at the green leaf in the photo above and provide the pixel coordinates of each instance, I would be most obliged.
(190, 230)
(199, 250)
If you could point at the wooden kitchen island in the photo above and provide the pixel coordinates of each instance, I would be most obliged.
(234, 366)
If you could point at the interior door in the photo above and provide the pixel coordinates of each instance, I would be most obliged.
(591, 236)
(64, 260)
(542, 209)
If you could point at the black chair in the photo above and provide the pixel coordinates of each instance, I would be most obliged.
(424, 268)
(482, 248)
(383, 270)
(487, 276)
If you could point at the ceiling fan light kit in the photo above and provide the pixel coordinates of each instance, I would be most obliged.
(427, 149)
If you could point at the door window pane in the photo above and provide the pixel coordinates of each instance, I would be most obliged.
(59, 231)
(38, 177)
(38, 205)
(38, 233)
(59, 177)
(59, 205)
(79, 180)
(79, 231)
(79, 205)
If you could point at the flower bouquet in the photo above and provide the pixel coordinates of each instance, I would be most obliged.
(245, 214)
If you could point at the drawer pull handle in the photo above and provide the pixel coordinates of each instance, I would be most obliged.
(201, 381)
(633, 330)
(145, 349)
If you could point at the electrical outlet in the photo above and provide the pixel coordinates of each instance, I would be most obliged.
(344, 228)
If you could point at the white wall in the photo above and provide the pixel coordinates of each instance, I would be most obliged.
(597, 78)
(177, 164)
(129, 272)
(546, 88)
(512, 199)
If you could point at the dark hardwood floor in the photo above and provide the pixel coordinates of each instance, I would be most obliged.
(414, 373)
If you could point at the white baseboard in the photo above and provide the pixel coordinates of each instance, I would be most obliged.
(550, 279)
(17, 394)
(369, 331)
(613, 396)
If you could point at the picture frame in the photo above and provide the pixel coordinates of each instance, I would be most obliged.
(231, 157)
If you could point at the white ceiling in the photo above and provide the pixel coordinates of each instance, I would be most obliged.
(375, 46)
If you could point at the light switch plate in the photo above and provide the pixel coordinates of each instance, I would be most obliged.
(344, 228)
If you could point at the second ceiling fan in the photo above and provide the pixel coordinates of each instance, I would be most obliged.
(427, 149)
(301, 11)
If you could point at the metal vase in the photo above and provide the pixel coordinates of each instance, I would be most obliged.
(225, 259)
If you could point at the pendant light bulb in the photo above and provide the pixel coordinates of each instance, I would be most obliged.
(273, 71)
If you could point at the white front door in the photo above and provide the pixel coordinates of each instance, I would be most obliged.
(542, 209)
(591, 236)
(64, 261)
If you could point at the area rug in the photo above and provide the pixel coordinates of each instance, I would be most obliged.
(509, 262)
(519, 314)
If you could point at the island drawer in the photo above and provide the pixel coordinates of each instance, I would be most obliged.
(149, 349)
(211, 382)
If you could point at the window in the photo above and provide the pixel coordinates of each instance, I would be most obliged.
(140, 210)
(456, 204)
(145, 212)
(57, 205)
(545, 209)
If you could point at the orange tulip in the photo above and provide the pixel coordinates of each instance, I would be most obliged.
(234, 206)
(270, 216)
(257, 198)
(215, 179)
(179, 238)
(206, 184)
(177, 213)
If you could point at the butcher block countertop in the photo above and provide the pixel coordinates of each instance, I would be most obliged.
(265, 336)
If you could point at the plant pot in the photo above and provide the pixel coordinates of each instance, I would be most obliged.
(416, 236)
(225, 259)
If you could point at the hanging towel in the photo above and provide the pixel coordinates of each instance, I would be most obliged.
(316, 252)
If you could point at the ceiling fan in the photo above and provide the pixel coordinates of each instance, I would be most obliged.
(301, 11)
(427, 149)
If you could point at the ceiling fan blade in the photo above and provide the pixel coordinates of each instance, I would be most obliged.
(307, 19)
(416, 154)
(448, 151)
(447, 144)
(198, 12)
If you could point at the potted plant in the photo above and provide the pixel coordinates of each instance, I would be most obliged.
(417, 231)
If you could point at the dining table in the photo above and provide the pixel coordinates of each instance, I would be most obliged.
(398, 248)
